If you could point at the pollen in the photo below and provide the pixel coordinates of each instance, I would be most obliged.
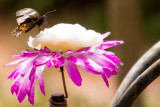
(23, 27)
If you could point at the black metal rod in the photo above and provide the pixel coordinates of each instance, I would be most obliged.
(64, 83)
(140, 83)
(140, 66)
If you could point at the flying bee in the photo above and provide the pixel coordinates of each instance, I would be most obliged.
(27, 19)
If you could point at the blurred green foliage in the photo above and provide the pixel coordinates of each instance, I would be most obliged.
(150, 13)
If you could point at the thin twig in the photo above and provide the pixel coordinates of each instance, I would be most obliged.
(141, 65)
(140, 83)
(64, 84)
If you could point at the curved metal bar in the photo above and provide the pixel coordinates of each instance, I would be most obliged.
(141, 65)
(140, 83)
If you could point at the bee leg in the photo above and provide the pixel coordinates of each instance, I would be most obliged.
(19, 33)
(17, 29)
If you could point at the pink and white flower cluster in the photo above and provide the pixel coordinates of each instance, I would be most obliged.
(89, 54)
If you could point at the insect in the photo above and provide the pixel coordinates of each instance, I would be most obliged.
(27, 19)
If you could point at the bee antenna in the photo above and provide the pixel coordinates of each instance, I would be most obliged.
(50, 12)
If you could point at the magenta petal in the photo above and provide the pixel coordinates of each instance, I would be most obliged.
(41, 60)
(24, 68)
(26, 51)
(28, 87)
(21, 95)
(72, 59)
(84, 52)
(113, 58)
(106, 34)
(109, 55)
(114, 72)
(12, 74)
(31, 95)
(73, 73)
(81, 51)
(19, 70)
(75, 60)
(40, 78)
(45, 51)
(69, 52)
(32, 74)
(49, 64)
(105, 80)
(107, 72)
(58, 62)
(21, 85)
(30, 54)
(18, 56)
(90, 70)
(90, 64)
(17, 61)
(22, 89)
(15, 87)
(104, 62)
(109, 44)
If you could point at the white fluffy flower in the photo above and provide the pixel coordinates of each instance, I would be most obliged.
(63, 37)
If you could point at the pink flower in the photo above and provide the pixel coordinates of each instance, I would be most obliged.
(68, 52)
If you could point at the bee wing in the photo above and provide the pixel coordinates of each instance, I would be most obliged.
(26, 13)
(22, 19)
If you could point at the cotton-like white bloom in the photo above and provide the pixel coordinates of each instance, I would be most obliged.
(68, 45)
(63, 37)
